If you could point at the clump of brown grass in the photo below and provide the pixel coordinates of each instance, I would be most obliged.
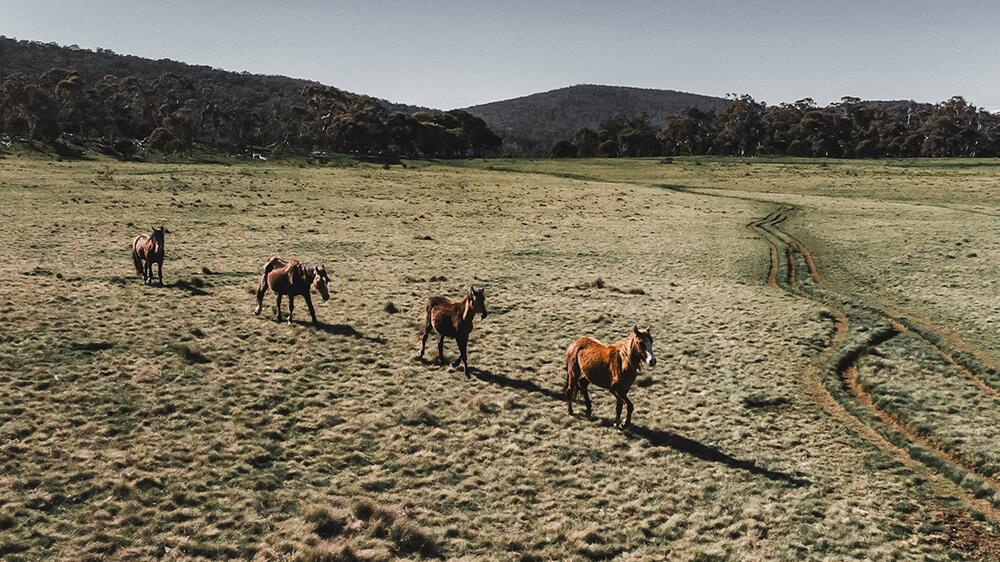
(190, 354)
(328, 522)
(327, 552)
(343, 532)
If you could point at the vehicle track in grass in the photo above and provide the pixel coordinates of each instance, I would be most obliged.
(859, 329)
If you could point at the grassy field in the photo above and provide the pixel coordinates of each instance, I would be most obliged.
(845, 410)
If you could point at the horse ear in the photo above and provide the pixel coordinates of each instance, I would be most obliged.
(647, 328)
(635, 328)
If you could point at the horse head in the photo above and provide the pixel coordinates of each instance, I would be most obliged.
(642, 341)
(477, 297)
(321, 282)
(157, 235)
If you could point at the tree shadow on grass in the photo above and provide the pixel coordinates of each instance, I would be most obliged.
(655, 437)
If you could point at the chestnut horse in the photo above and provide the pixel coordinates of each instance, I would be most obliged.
(613, 367)
(453, 320)
(290, 277)
(148, 248)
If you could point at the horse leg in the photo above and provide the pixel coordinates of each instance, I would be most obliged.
(463, 346)
(441, 350)
(291, 307)
(618, 411)
(461, 350)
(309, 305)
(147, 272)
(628, 414)
(279, 306)
(159, 271)
(584, 383)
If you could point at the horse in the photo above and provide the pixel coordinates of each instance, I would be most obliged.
(148, 248)
(613, 367)
(453, 320)
(291, 277)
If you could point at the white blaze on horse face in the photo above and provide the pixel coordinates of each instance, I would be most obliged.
(321, 287)
(650, 358)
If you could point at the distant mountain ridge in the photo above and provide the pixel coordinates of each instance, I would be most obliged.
(532, 123)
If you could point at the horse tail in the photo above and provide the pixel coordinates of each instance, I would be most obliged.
(427, 320)
(262, 288)
(136, 260)
(572, 367)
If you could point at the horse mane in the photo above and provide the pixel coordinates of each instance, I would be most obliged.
(309, 270)
(467, 310)
(629, 353)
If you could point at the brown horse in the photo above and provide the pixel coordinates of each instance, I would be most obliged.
(148, 248)
(613, 367)
(453, 320)
(290, 277)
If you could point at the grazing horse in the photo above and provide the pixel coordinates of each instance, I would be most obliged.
(613, 367)
(290, 277)
(148, 248)
(453, 320)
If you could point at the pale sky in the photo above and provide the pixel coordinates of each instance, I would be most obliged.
(446, 54)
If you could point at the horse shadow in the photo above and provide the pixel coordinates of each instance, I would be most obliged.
(195, 289)
(655, 437)
(518, 384)
(339, 330)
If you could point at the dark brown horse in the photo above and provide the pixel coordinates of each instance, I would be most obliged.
(290, 277)
(147, 249)
(453, 320)
(613, 367)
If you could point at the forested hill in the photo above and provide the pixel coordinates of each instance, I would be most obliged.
(532, 123)
(128, 105)
(34, 58)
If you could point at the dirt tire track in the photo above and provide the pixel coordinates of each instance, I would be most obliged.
(956, 352)
(865, 399)
(877, 426)
(813, 379)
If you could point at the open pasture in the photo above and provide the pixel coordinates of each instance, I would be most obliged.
(826, 384)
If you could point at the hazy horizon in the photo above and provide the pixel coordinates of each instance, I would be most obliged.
(448, 54)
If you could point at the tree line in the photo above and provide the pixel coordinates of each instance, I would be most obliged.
(126, 105)
(850, 128)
